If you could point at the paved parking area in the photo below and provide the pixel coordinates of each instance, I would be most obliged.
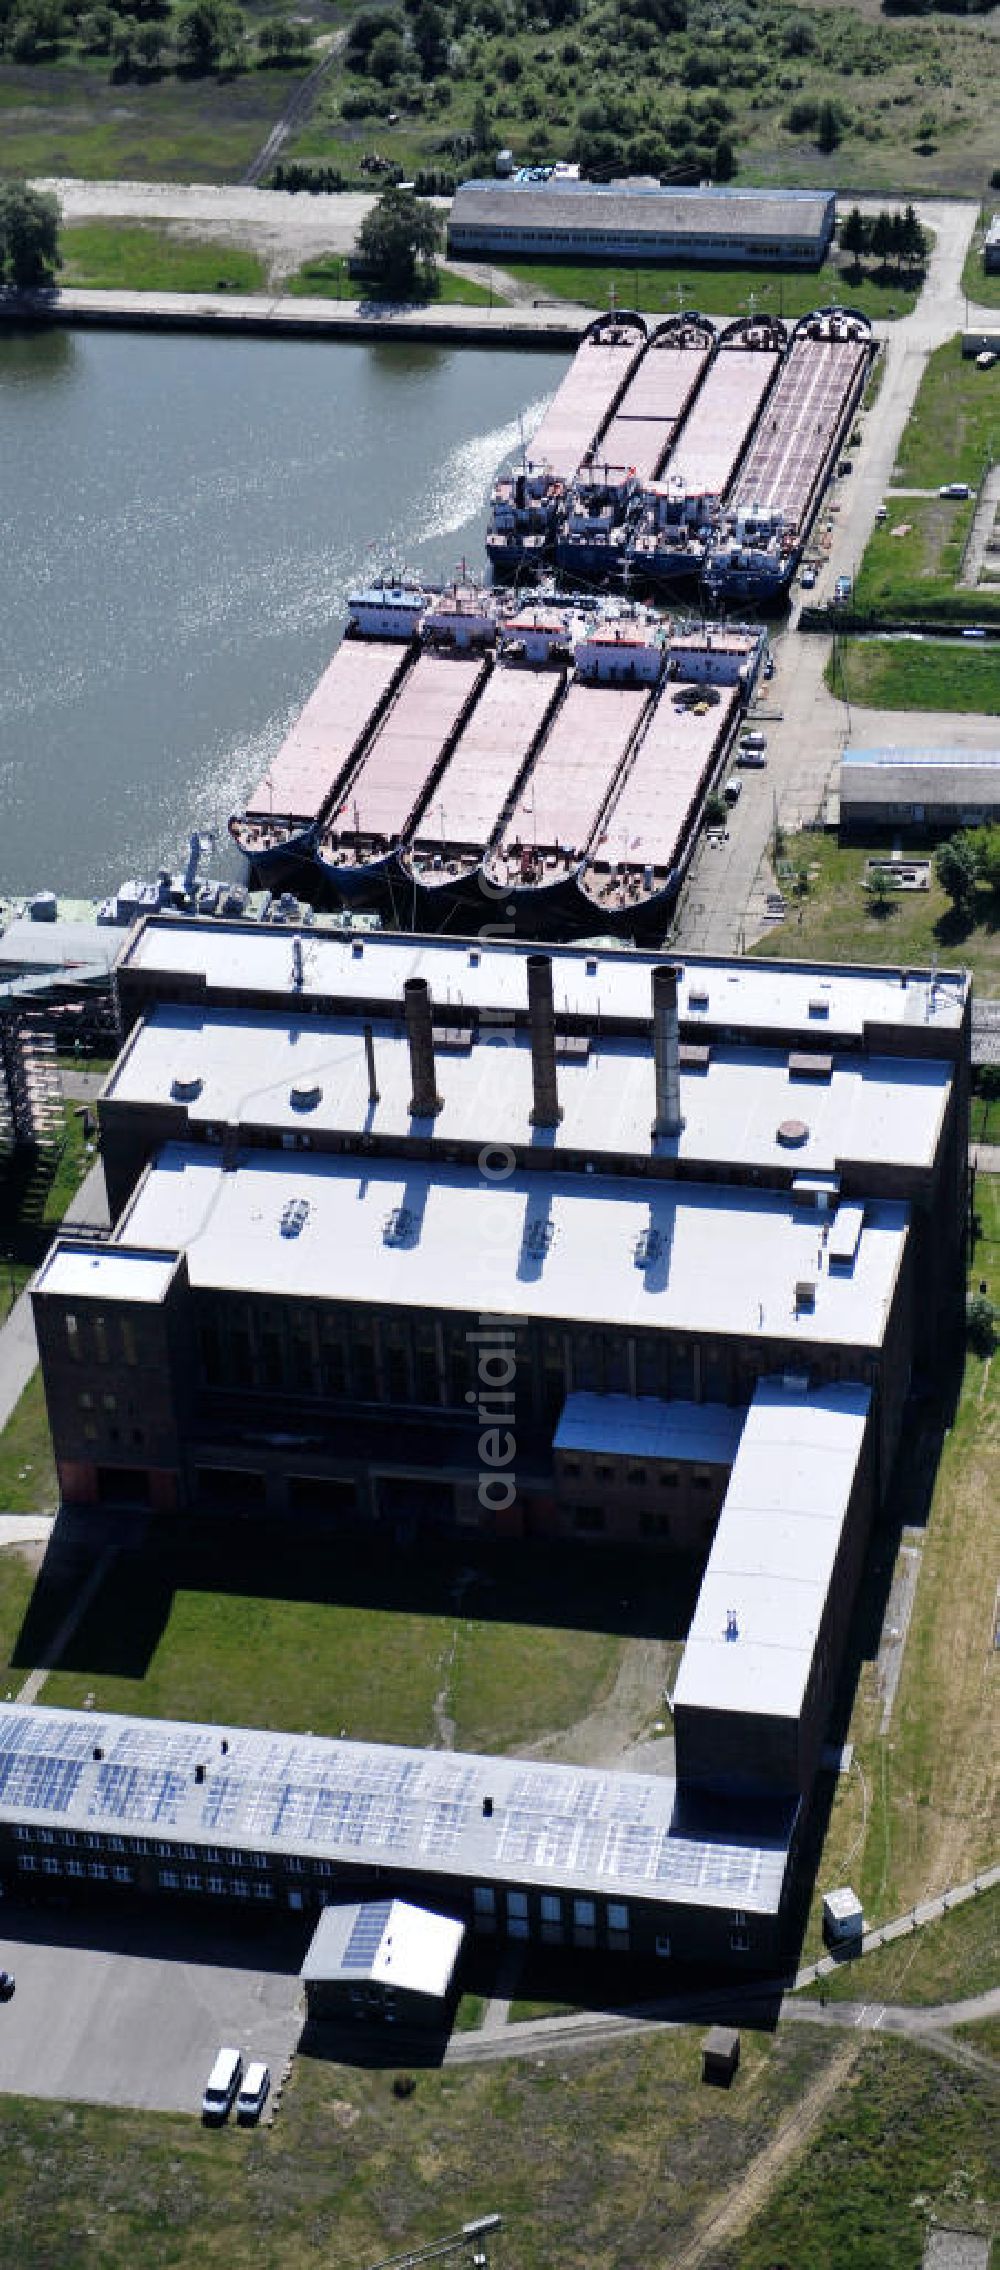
(137, 2019)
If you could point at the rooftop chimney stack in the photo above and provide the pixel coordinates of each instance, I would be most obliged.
(666, 1051)
(545, 1110)
(370, 1060)
(425, 1102)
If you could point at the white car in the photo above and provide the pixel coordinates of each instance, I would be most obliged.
(955, 489)
(808, 578)
(253, 2094)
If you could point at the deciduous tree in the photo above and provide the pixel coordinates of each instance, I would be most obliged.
(29, 236)
(398, 240)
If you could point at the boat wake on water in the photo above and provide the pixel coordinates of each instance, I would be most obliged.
(462, 484)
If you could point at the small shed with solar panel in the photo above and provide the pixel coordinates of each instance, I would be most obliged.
(383, 1961)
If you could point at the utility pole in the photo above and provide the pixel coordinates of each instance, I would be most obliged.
(471, 2241)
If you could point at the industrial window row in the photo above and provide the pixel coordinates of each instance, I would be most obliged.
(47, 1864)
(554, 1918)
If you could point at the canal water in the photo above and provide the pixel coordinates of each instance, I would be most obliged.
(184, 518)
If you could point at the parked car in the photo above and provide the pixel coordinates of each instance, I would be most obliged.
(753, 759)
(974, 631)
(955, 489)
(844, 467)
(253, 2094)
(221, 2086)
(881, 514)
(986, 360)
(808, 578)
(7, 1985)
(732, 792)
(842, 590)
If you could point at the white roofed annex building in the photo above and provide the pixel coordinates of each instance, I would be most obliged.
(419, 1235)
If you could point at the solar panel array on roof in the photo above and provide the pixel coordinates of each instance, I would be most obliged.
(365, 1805)
(366, 1935)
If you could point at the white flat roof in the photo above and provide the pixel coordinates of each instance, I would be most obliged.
(113, 1273)
(415, 1235)
(475, 974)
(644, 1426)
(772, 1559)
(249, 1062)
(389, 1941)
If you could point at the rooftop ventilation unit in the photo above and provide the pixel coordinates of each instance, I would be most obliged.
(397, 1229)
(538, 1236)
(648, 1248)
(698, 1003)
(808, 1064)
(305, 1095)
(294, 1217)
(792, 1133)
(805, 1295)
(185, 1086)
(819, 1008)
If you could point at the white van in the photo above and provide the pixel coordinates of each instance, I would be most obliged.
(221, 2086)
(253, 2094)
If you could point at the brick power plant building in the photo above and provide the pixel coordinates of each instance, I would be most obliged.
(584, 1245)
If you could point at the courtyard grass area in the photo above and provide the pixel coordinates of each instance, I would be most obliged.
(838, 922)
(601, 2161)
(715, 291)
(27, 1468)
(113, 256)
(940, 1962)
(67, 116)
(928, 674)
(326, 277)
(911, 566)
(317, 1666)
(954, 425)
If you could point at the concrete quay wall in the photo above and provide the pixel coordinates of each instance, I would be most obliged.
(283, 317)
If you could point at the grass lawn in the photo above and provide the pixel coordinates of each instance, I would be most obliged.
(326, 278)
(119, 256)
(917, 1812)
(942, 1962)
(954, 425)
(900, 2146)
(882, 673)
(838, 924)
(66, 117)
(603, 2161)
(16, 1580)
(979, 287)
(911, 565)
(572, 2155)
(318, 1666)
(27, 1469)
(715, 291)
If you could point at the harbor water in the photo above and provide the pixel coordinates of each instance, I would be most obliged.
(184, 518)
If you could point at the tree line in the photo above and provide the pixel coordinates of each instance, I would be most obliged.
(149, 35)
(894, 240)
